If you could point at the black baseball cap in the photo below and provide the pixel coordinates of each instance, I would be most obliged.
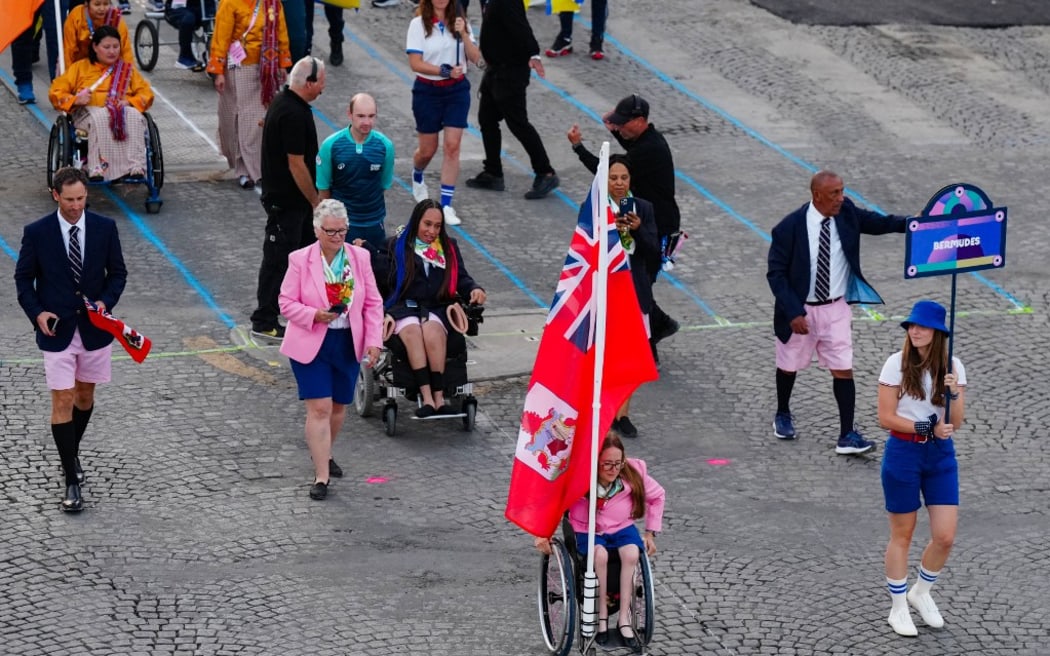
(629, 108)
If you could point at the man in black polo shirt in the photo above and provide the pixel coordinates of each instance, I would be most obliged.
(652, 178)
(289, 161)
(511, 54)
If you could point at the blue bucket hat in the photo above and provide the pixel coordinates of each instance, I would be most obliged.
(929, 314)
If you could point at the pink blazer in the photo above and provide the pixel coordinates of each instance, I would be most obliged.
(303, 293)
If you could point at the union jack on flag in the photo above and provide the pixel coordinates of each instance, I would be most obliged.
(574, 296)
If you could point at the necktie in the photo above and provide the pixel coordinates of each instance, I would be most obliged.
(822, 287)
(76, 263)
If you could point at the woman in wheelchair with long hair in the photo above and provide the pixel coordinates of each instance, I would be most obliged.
(106, 97)
(424, 269)
(626, 493)
(81, 24)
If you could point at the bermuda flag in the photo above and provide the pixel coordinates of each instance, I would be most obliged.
(552, 467)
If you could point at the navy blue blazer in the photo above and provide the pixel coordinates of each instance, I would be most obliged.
(789, 268)
(646, 253)
(424, 287)
(44, 279)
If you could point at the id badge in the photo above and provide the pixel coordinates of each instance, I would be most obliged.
(236, 55)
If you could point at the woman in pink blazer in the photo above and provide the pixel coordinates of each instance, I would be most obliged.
(335, 316)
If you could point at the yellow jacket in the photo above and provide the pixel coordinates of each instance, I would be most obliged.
(82, 74)
(231, 21)
(558, 6)
(76, 37)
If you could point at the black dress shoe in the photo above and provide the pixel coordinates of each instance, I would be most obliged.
(72, 502)
(625, 428)
(79, 471)
(629, 641)
(542, 185)
(318, 491)
(602, 636)
(334, 469)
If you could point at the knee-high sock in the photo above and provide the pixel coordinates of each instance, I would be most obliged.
(437, 382)
(785, 383)
(66, 441)
(845, 396)
(80, 422)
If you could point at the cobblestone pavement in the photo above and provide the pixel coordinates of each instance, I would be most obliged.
(199, 537)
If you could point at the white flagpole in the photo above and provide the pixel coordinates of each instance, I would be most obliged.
(61, 63)
(589, 616)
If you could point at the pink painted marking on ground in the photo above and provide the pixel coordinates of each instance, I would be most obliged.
(717, 462)
(376, 479)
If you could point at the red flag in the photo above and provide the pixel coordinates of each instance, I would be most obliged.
(552, 467)
(137, 345)
(18, 17)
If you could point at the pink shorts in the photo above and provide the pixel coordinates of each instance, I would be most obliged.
(63, 369)
(830, 335)
(414, 321)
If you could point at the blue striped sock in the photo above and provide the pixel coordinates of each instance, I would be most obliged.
(898, 590)
(417, 175)
(926, 580)
(447, 192)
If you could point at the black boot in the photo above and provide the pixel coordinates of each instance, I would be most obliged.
(72, 502)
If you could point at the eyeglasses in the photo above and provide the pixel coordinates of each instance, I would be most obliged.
(334, 232)
(612, 464)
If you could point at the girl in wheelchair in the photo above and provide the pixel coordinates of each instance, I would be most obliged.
(81, 24)
(424, 272)
(106, 96)
(626, 493)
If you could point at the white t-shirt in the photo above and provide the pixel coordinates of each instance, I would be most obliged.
(438, 48)
(908, 406)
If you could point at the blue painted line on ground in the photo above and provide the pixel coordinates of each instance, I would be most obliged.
(8, 250)
(765, 141)
(557, 192)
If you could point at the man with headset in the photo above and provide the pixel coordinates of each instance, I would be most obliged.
(289, 195)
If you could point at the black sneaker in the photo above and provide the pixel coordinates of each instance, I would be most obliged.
(334, 469)
(626, 428)
(542, 185)
(486, 180)
(318, 491)
(335, 58)
(269, 333)
(560, 48)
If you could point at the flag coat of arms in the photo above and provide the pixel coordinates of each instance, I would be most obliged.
(552, 467)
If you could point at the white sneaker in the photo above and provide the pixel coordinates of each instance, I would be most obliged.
(420, 191)
(450, 216)
(900, 620)
(927, 609)
(385, 3)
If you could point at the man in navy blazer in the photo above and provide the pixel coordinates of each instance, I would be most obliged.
(52, 283)
(814, 272)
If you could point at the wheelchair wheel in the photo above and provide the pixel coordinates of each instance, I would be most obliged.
(146, 42)
(365, 392)
(155, 156)
(59, 147)
(390, 419)
(556, 599)
(470, 409)
(642, 602)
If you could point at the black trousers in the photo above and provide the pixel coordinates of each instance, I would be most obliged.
(286, 231)
(503, 99)
(335, 23)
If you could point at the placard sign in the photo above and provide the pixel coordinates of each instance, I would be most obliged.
(959, 231)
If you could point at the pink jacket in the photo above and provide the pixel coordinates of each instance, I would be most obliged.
(303, 293)
(616, 514)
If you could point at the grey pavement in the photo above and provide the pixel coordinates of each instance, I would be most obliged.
(199, 537)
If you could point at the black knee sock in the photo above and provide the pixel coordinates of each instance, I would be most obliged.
(80, 421)
(845, 395)
(437, 382)
(785, 383)
(66, 441)
(421, 377)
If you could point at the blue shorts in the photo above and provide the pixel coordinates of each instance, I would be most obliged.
(611, 541)
(437, 107)
(333, 373)
(909, 468)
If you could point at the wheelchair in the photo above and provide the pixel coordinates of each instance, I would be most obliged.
(65, 147)
(391, 378)
(560, 598)
(147, 37)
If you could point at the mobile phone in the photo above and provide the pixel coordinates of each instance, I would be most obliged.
(52, 324)
(626, 205)
(338, 308)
